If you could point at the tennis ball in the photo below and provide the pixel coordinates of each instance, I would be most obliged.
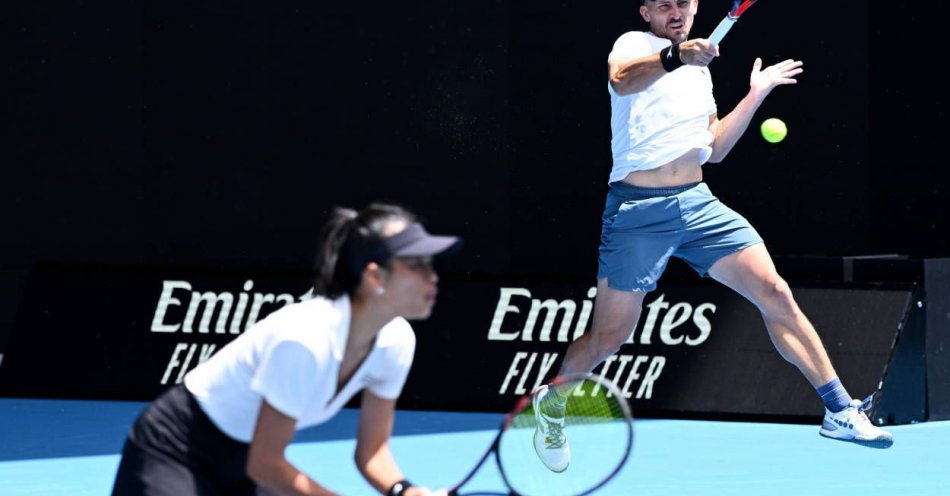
(773, 130)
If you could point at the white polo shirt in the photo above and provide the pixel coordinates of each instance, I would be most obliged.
(671, 117)
(292, 359)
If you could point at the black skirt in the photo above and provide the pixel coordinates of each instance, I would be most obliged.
(174, 449)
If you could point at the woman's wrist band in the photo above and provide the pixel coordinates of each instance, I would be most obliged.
(399, 488)
(670, 57)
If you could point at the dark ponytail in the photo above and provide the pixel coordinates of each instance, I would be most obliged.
(350, 240)
(334, 234)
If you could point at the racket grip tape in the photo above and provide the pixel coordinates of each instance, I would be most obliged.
(720, 32)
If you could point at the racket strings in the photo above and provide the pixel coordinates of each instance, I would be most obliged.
(597, 431)
(593, 405)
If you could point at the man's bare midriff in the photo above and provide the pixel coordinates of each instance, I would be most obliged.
(683, 170)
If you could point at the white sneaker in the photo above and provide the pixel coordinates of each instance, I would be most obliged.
(852, 425)
(550, 442)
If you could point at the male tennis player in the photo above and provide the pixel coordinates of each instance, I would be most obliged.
(665, 127)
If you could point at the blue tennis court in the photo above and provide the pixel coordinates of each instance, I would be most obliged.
(52, 447)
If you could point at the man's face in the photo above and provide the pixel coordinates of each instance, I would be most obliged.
(671, 19)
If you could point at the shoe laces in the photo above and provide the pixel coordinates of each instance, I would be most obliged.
(554, 436)
(862, 407)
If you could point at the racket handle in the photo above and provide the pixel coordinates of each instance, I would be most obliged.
(720, 32)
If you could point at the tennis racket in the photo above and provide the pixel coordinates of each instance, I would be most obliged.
(726, 24)
(599, 429)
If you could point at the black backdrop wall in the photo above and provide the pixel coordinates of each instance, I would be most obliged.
(219, 134)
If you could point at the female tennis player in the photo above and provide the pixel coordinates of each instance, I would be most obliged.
(225, 428)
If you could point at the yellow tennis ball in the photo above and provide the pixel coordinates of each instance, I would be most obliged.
(773, 130)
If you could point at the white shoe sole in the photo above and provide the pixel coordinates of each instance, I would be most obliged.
(880, 443)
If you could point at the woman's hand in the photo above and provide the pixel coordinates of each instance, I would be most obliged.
(417, 491)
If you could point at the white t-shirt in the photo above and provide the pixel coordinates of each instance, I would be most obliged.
(292, 359)
(654, 126)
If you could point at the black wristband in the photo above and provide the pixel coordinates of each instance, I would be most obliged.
(670, 57)
(399, 488)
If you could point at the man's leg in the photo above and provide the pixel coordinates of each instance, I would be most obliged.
(615, 316)
(751, 273)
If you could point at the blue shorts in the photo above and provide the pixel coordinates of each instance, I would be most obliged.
(644, 227)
